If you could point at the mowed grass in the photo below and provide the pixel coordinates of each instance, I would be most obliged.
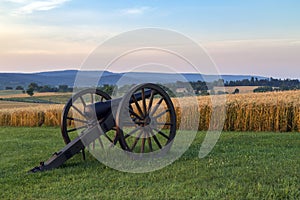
(20, 94)
(10, 92)
(243, 165)
(58, 98)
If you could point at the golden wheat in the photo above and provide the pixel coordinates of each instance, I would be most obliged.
(275, 111)
(29, 114)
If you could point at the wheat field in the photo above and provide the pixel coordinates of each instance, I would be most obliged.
(29, 114)
(274, 111)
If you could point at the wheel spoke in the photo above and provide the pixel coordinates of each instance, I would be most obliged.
(143, 144)
(155, 139)
(166, 124)
(82, 101)
(149, 143)
(78, 120)
(137, 106)
(161, 133)
(144, 101)
(77, 109)
(150, 101)
(139, 123)
(132, 132)
(162, 113)
(77, 128)
(156, 106)
(92, 98)
(133, 113)
(136, 140)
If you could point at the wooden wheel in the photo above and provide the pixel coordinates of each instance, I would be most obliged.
(74, 118)
(146, 122)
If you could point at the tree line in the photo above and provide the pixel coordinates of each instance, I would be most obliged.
(263, 85)
(282, 84)
(34, 87)
(197, 87)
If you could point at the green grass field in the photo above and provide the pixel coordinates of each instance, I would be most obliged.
(241, 166)
(10, 92)
(58, 99)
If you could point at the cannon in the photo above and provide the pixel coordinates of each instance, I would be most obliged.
(142, 121)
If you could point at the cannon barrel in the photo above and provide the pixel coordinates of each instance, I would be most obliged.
(102, 109)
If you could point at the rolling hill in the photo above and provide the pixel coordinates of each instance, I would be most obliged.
(67, 77)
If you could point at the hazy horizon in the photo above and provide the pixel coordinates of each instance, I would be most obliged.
(73, 69)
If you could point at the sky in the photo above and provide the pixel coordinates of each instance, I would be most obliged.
(249, 37)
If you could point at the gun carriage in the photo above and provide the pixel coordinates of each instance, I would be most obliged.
(142, 121)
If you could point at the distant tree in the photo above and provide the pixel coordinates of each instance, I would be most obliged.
(263, 89)
(30, 91)
(252, 81)
(8, 88)
(19, 87)
(204, 93)
(108, 89)
(199, 87)
(47, 88)
(34, 86)
(236, 91)
(44, 88)
(63, 88)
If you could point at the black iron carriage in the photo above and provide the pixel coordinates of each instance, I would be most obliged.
(142, 121)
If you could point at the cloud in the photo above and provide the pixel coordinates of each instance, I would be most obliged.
(18, 1)
(31, 6)
(135, 11)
